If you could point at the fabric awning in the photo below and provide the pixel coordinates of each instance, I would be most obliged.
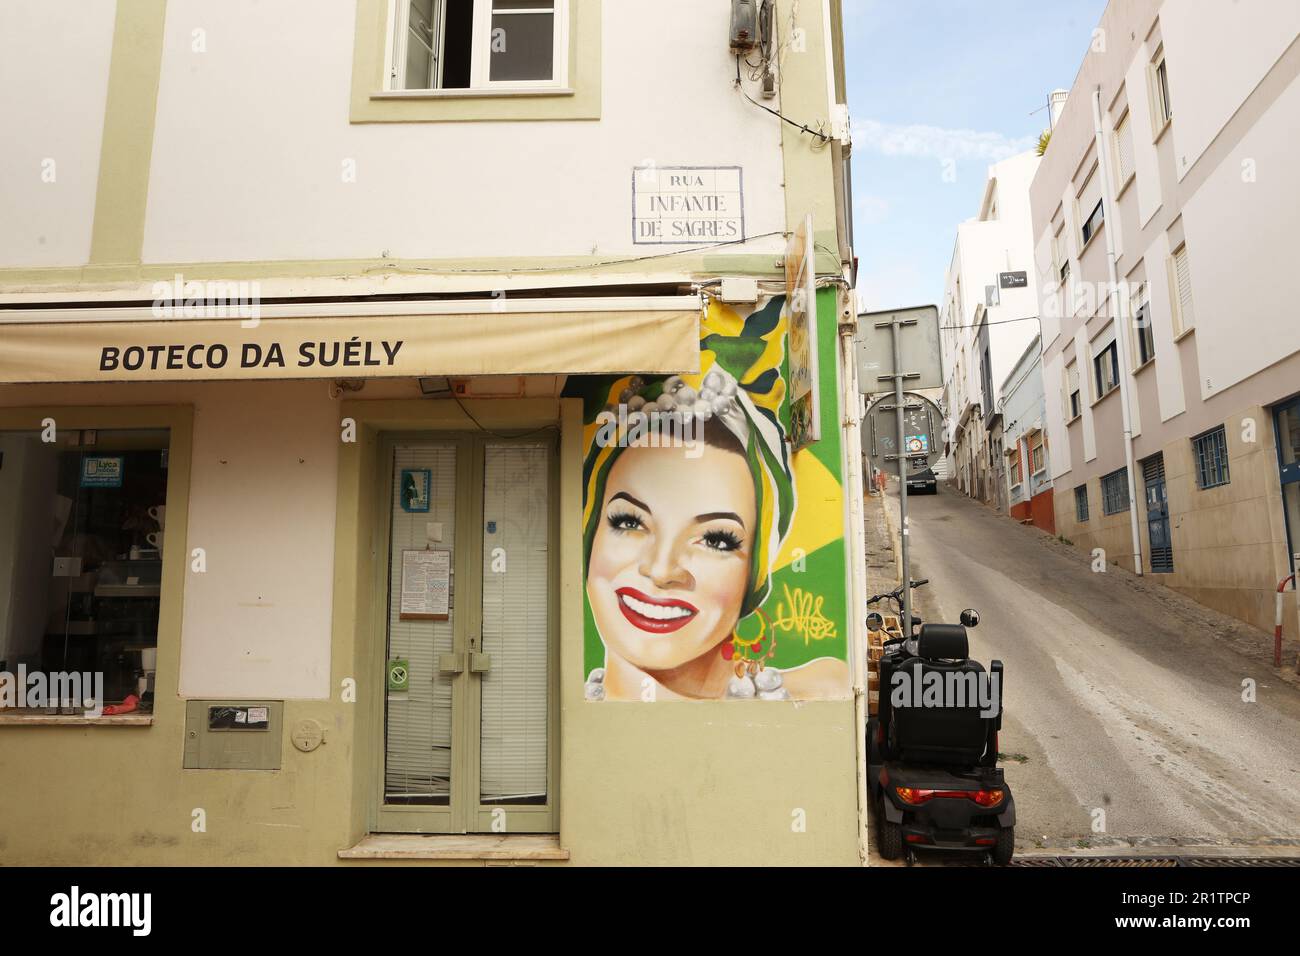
(569, 336)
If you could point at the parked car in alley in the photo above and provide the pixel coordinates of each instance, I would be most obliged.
(924, 482)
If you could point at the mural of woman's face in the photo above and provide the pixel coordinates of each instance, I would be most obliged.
(670, 560)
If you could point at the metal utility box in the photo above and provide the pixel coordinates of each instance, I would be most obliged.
(922, 359)
(233, 734)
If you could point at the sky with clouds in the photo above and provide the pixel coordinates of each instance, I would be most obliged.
(939, 85)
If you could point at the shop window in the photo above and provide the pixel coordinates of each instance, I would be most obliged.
(82, 534)
(1211, 450)
(476, 44)
(1114, 492)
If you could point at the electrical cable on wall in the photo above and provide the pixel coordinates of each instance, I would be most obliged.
(821, 137)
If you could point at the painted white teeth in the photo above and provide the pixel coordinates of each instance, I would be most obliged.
(656, 612)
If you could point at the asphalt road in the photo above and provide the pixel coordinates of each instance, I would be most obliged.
(1121, 696)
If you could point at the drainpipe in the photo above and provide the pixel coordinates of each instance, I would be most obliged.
(1120, 319)
(855, 534)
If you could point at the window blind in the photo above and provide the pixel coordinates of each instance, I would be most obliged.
(417, 766)
(1124, 149)
(1183, 284)
(516, 623)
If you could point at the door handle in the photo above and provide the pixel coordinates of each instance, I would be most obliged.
(451, 663)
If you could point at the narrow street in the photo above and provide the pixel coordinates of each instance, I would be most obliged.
(1121, 696)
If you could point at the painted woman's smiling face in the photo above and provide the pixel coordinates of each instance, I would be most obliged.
(670, 560)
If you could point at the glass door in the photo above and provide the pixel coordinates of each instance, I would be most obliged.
(469, 670)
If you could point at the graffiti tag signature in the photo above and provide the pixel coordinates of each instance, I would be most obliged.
(801, 613)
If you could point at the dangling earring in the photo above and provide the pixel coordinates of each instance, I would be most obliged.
(749, 655)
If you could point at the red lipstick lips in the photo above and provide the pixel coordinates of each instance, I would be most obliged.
(656, 615)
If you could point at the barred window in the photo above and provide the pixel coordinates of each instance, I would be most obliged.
(1211, 451)
(1081, 503)
(1114, 492)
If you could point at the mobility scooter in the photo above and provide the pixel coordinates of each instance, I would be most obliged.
(932, 753)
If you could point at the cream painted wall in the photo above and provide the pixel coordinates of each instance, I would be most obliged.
(252, 136)
(262, 506)
(1241, 40)
(52, 111)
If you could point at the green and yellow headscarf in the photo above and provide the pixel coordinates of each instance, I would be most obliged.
(740, 383)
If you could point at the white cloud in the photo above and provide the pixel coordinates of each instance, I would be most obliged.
(933, 142)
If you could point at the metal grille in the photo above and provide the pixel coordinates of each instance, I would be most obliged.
(1114, 492)
(1081, 503)
(1162, 555)
(1211, 458)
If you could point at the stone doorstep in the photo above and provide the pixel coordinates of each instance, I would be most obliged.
(470, 846)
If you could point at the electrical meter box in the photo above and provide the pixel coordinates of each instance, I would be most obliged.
(233, 734)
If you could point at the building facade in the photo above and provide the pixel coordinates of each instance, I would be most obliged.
(988, 316)
(1026, 450)
(1161, 162)
(415, 420)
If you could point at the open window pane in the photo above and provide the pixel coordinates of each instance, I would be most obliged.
(522, 44)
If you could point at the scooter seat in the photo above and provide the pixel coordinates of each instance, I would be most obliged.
(943, 642)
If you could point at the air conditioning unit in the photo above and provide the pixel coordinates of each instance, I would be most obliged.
(744, 25)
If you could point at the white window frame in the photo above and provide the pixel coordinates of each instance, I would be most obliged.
(1162, 113)
(480, 49)
(1140, 298)
(481, 62)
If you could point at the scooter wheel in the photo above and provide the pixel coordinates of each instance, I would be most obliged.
(1005, 847)
(890, 834)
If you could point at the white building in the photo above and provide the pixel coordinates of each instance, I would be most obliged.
(988, 317)
(1189, 187)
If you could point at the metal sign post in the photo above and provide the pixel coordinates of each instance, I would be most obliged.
(896, 323)
(920, 349)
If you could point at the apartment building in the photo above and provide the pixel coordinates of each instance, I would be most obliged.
(1174, 160)
(1025, 446)
(988, 317)
(359, 361)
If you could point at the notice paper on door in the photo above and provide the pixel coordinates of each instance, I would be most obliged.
(426, 585)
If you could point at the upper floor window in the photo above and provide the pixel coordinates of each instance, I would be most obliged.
(1124, 165)
(1164, 109)
(1088, 207)
(1093, 222)
(1180, 276)
(1105, 363)
(477, 44)
(1144, 343)
(1074, 401)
